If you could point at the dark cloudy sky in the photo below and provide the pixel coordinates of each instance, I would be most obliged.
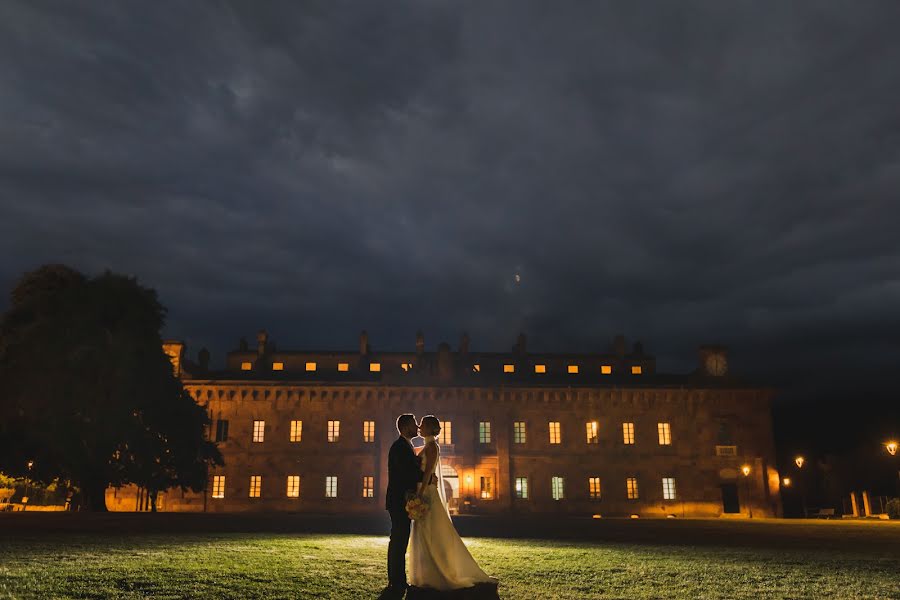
(680, 172)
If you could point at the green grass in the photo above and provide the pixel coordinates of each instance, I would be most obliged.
(256, 565)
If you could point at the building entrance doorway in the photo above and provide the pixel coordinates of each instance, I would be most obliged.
(451, 487)
(730, 502)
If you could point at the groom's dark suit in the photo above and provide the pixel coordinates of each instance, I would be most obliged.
(404, 473)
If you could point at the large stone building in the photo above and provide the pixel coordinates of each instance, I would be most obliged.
(589, 434)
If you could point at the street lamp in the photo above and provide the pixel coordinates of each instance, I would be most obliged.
(746, 471)
(891, 448)
(27, 480)
(786, 482)
(799, 462)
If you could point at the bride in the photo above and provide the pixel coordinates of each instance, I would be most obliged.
(438, 557)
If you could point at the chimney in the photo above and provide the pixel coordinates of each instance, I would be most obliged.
(618, 346)
(203, 359)
(420, 343)
(262, 338)
(364, 343)
(464, 343)
(520, 346)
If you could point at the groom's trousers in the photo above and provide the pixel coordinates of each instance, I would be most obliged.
(400, 526)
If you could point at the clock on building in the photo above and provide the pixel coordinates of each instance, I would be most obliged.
(716, 364)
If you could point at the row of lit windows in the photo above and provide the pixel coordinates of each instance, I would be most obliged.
(293, 486)
(520, 435)
(296, 433)
(557, 488)
(486, 483)
(375, 367)
(592, 431)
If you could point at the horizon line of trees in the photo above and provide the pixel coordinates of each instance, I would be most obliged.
(88, 397)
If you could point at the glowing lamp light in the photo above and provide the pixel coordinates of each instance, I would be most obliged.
(745, 470)
(635, 516)
(468, 479)
(596, 516)
(31, 462)
(786, 482)
(799, 462)
(891, 448)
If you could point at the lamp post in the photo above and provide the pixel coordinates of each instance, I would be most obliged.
(746, 471)
(891, 447)
(799, 461)
(27, 481)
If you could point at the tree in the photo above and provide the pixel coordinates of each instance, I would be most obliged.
(88, 395)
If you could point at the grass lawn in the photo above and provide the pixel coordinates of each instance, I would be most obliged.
(302, 565)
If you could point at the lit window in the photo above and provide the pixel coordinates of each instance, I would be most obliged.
(540, 368)
(368, 431)
(246, 366)
(343, 367)
(476, 368)
(573, 369)
(406, 367)
(368, 487)
(636, 369)
(446, 434)
(594, 487)
(509, 368)
(628, 433)
(310, 366)
(556, 488)
(554, 432)
(606, 369)
(296, 431)
(255, 485)
(334, 431)
(484, 432)
(259, 431)
(519, 436)
(375, 367)
(668, 484)
(218, 489)
(487, 487)
(331, 486)
(665, 434)
(278, 366)
(631, 487)
(593, 432)
(222, 430)
(293, 486)
(522, 487)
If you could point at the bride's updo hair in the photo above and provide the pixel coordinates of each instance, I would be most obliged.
(430, 424)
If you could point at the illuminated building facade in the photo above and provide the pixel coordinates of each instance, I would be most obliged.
(587, 434)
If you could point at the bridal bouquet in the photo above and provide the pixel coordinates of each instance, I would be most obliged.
(417, 507)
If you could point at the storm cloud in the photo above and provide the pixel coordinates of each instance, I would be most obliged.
(682, 173)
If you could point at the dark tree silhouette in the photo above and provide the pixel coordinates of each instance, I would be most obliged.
(87, 394)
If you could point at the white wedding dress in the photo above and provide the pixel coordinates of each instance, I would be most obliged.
(438, 557)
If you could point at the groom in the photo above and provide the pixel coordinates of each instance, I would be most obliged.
(403, 475)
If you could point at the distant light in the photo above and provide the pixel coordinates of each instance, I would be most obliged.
(671, 516)
(799, 461)
(786, 482)
(745, 470)
(518, 278)
(891, 448)
(635, 516)
(596, 517)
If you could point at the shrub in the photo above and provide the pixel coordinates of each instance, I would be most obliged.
(893, 508)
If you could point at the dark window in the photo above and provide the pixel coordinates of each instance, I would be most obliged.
(724, 437)
(222, 430)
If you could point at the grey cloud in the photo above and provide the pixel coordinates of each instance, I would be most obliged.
(683, 173)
